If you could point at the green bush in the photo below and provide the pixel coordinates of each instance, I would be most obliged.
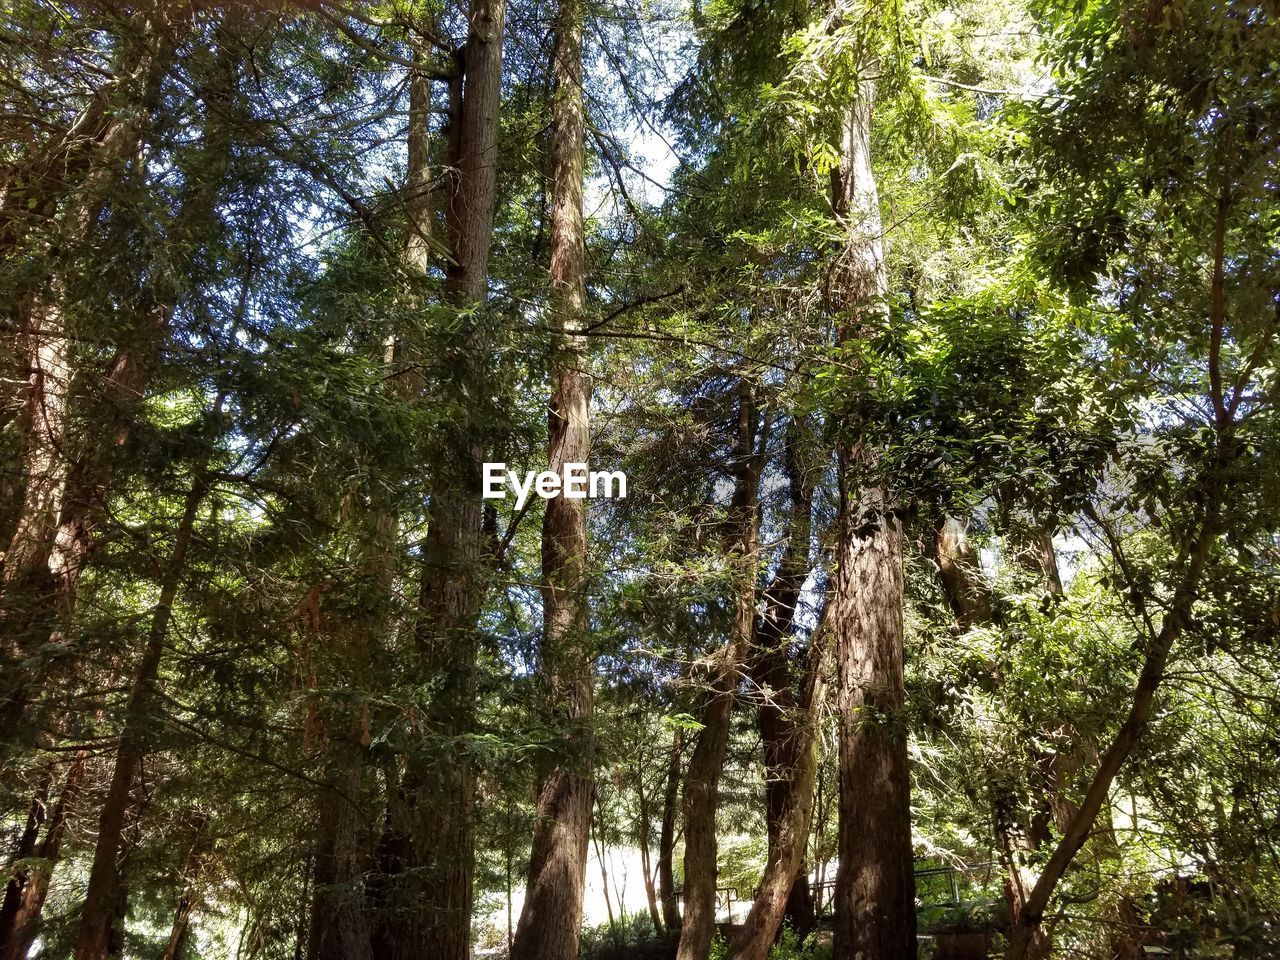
(632, 938)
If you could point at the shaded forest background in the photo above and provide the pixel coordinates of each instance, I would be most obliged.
(937, 340)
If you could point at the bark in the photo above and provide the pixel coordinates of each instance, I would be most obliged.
(646, 859)
(44, 349)
(702, 780)
(65, 176)
(1038, 556)
(64, 496)
(20, 875)
(436, 834)
(784, 863)
(551, 917)
(787, 729)
(19, 920)
(961, 573)
(190, 898)
(178, 933)
(417, 186)
(875, 883)
(667, 839)
(102, 895)
(130, 369)
(389, 931)
(339, 919)
(789, 824)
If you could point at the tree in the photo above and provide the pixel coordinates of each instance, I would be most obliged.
(552, 913)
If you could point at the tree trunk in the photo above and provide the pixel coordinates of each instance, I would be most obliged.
(960, 570)
(1026, 939)
(552, 914)
(130, 369)
(101, 897)
(73, 493)
(178, 933)
(787, 726)
(789, 820)
(667, 839)
(597, 837)
(439, 809)
(36, 584)
(646, 860)
(417, 187)
(190, 897)
(339, 921)
(702, 780)
(26, 847)
(19, 919)
(875, 882)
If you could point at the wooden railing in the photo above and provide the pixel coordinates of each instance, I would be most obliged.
(824, 893)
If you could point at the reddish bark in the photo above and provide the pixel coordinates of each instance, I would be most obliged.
(875, 881)
(552, 914)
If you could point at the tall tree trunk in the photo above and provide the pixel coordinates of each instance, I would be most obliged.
(416, 252)
(667, 838)
(552, 913)
(393, 927)
(702, 780)
(73, 492)
(101, 897)
(35, 583)
(875, 882)
(130, 369)
(439, 809)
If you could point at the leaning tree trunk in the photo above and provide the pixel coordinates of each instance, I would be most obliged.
(190, 877)
(702, 780)
(36, 583)
(1026, 939)
(875, 883)
(643, 835)
(552, 913)
(26, 893)
(179, 931)
(788, 728)
(791, 834)
(102, 894)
